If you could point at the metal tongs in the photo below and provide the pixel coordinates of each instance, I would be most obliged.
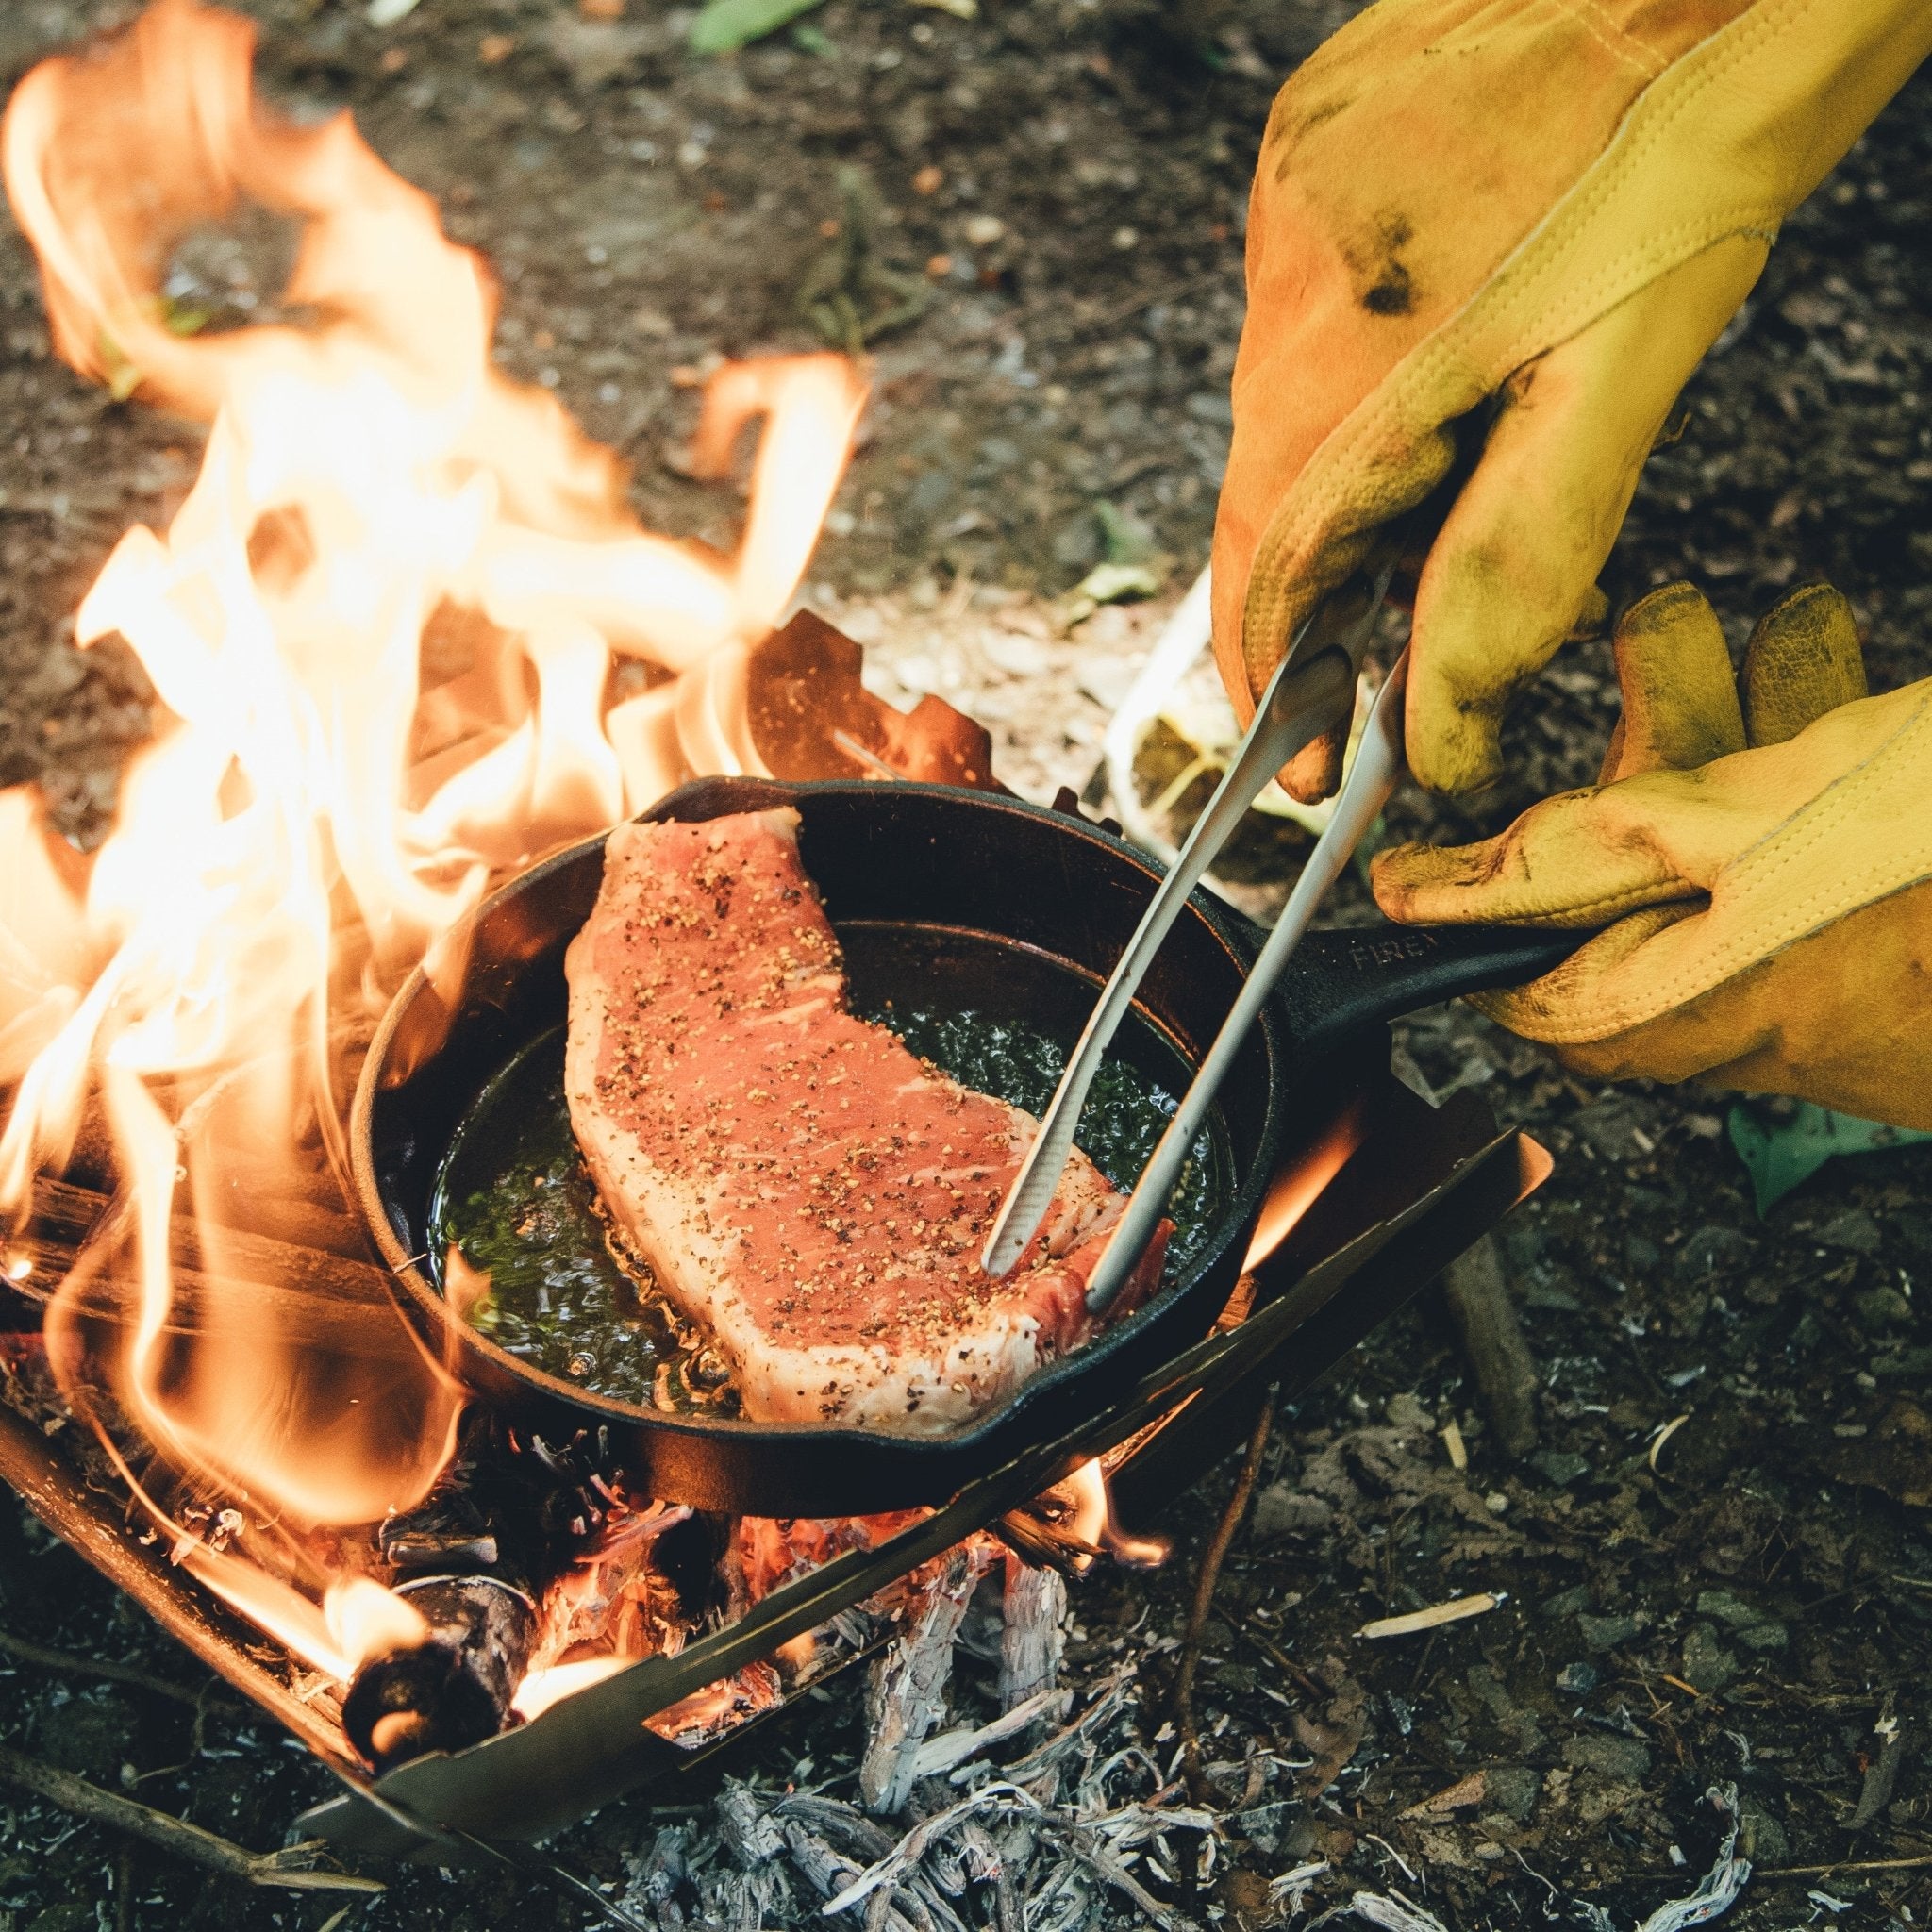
(1313, 691)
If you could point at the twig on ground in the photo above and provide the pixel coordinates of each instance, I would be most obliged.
(1205, 1584)
(1305, 1683)
(78, 1666)
(81, 1799)
(1913, 1864)
(124, 1886)
(1454, 1611)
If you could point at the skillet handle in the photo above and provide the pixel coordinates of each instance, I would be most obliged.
(1343, 982)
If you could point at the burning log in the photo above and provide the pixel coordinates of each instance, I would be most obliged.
(455, 1688)
(302, 838)
(544, 1576)
(905, 1695)
(1032, 1633)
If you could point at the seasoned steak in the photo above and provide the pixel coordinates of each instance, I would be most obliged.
(799, 1181)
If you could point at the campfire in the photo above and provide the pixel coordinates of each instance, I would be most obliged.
(409, 642)
(408, 638)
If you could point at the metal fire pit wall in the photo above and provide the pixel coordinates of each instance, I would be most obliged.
(1418, 1187)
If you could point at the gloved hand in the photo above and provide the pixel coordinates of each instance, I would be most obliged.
(1772, 906)
(1507, 229)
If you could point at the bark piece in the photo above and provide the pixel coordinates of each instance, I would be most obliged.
(1478, 1296)
(1881, 1775)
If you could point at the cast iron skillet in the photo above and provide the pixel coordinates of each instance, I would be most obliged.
(989, 900)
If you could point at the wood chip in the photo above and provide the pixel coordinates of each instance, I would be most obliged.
(1664, 1434)
(1454, 1611)
(1457, 1797)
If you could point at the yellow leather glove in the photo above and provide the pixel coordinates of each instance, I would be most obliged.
(1510, 228)
(1772, 906)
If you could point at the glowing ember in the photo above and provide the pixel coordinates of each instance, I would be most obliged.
(311, 820)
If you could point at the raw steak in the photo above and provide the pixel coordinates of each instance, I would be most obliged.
(798, 1180)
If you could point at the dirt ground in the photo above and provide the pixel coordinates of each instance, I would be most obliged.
(1743, 1605)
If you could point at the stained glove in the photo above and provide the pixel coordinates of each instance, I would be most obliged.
(1505, 230)
(1769, 908)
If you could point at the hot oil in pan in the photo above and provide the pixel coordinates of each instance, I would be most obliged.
(513, 1192)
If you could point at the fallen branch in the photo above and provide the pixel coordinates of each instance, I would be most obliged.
(79, 1798)
(111, 1672)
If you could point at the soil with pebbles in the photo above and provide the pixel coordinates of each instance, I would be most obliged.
(1065, 180)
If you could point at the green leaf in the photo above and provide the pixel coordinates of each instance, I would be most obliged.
(1780, 1155)
(1112, 583)
(809, 40)
(179, 319)
(725, 25)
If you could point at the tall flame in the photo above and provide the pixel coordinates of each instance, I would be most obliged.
(312, 818)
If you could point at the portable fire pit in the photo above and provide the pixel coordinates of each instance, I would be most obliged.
(1383, 1192)
(1416, 1186)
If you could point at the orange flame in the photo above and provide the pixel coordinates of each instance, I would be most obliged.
(311, 819)
(552, 1683)
(1091, 1520)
